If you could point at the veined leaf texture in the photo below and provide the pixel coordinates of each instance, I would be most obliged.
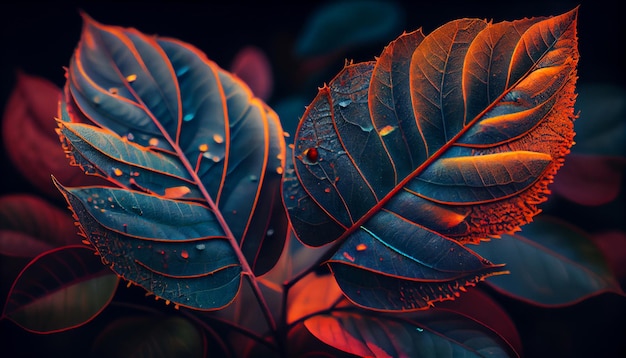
(399, 164)
(196, 160)
(442, 141)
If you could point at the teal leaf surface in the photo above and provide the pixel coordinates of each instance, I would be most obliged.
(444, 139)
(196, 159)
(551, 264)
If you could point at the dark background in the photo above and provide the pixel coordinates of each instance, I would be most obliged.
(40, 38)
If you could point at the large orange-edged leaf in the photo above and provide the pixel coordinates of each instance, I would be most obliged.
(196, 158)
(443, 140)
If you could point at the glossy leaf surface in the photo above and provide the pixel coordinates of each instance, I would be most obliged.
(551, 263)
(442, 334)
(59, 290)
(197, 157)
(443, 140)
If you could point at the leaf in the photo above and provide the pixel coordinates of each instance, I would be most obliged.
(443, 140)
(29, 137)
(59, 290)
(149, 336)
(590, 179)
(252, 65)
(443, 334)
(551, 264)
(30, 226)
(178, 135)
(347, 24)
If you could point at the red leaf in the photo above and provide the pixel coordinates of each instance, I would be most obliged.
(30, 225)
(59, 290)
(28, 131)
(613, 246)
(482, 308)
(253, 67)
(590, 179)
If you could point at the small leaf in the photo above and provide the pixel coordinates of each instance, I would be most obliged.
(551, 264)
(348, 24)
(312, 294)
(590, 179)
(59, 290)
(30, 226)
(149, 337)
(28, 133)
(253, 67)
(443, 334)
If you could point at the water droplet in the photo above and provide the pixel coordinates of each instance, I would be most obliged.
(361, 247)
(130, 136)
(187, 117)
(254, 178)
(345, 103)
(113, 90)
(96, 99)
(184, 254)
(203, 147)
(270, 232)
(218, 138)
(181, 71)
(200, 247)
(386, 130)
(419, 329)
(286, 134)
(327, 190)
(153, 142)
(311, 155)
(131, 78)
(117, 172)
(279, 170)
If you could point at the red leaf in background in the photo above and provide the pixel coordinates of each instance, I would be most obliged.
(30, 225)
(28, 131)
(590, 179)
(60, 289)
(253, 67)
(613, 247)
(481, 307)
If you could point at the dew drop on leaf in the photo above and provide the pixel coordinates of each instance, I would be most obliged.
(218, 138)
(386, 130)
(203, 147)
(131, 78)
(153, 142)
(279, 170)
(311, 155)
(117, 172)
(270, 232)
(184, 254)
(181, 71)
(361, 247)
(327, 190)
(200, 247)
(187, 117)
(345, 103)
(113, 90)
